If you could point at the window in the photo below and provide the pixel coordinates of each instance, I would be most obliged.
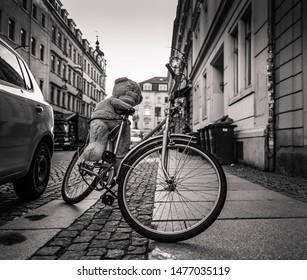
(53, 63)
(74, 79)
(33, 46)
(52, 95)
(147, 87)
(65, 45)
(58, 97)
(235, 61)
(64, 71)
(196, 104)
(11, 29)
(241, 52)
(59, 67)
(69, 76)
(10, 69)
(43, 20)
(204, 92)
(42, 52)
(41, 84)
(162, 87)
(53, 31)
(23, 37)
(165, 99)
(147, 111)
(63, 99)
(60, 40)
(25, 4)
(68, 101)
(70, 50)
(248, 53)
(34, 11)
(27, 79)
(157, 111)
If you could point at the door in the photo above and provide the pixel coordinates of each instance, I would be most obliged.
(15, 122)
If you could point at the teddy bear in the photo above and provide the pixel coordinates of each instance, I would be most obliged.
(125, 95)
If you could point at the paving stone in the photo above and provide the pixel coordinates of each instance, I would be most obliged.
(61, 241)
(99, 243)
(115, 253)
(96, 252)
(120, 236)
(139, 241)
(72, 255)
(136, 250)
(118, 244)
(48, 251)
(78, 247)
(83, 239)
(103, 235)
(94, 227)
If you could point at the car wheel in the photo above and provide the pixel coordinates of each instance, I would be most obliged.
(35, 182)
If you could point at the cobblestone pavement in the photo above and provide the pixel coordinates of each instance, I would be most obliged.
(290, 186)
(12, 207)
(101, 232)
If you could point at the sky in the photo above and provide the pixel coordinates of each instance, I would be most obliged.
(135, 35)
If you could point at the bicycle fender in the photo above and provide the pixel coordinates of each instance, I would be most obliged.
(152, 141)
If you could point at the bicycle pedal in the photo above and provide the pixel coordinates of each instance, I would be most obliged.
(109, 157)
(107, 199)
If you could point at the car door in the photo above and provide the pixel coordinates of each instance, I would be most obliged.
(15, 120)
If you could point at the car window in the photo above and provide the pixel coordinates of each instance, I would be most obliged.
(27, 79)
(9, 68)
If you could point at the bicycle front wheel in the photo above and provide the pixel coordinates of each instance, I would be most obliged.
(77, 184)
(175, 209)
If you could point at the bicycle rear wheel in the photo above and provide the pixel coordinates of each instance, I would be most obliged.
(77, 184)
(176, 209)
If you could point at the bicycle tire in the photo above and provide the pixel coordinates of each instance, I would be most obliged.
(74, 186)
(171, 212)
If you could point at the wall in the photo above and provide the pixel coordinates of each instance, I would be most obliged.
(290, 77)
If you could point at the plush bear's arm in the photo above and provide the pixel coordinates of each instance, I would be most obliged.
(120, 105)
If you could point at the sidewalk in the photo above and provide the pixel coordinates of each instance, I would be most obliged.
(256, 223)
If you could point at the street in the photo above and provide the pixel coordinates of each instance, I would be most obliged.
(256, 223)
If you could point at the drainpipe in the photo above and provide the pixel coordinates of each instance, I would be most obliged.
(270, 129)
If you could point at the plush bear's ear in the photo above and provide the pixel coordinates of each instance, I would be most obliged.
(120, 80)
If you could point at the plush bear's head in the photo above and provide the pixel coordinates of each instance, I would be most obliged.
(127, 91)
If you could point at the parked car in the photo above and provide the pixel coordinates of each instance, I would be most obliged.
(136, 137)
(26, 127)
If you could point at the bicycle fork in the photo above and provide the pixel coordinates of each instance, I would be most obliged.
(165, 141)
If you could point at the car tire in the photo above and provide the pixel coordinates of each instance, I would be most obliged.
(34, 184)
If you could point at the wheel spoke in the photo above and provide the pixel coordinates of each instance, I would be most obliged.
(178, 208)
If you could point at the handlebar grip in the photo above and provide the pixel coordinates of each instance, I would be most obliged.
(131, 111)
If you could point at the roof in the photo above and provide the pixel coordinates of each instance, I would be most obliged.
(156, 80)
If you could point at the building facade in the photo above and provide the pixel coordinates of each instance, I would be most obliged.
(69, 71)
(152, 109)
(245, 60)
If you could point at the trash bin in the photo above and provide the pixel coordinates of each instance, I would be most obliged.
(204, 138)
(221, 141)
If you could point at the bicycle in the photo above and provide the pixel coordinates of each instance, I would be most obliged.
(168, 188)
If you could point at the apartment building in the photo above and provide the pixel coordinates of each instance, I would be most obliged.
(152, 109)
(245, 60)
(69, 71)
